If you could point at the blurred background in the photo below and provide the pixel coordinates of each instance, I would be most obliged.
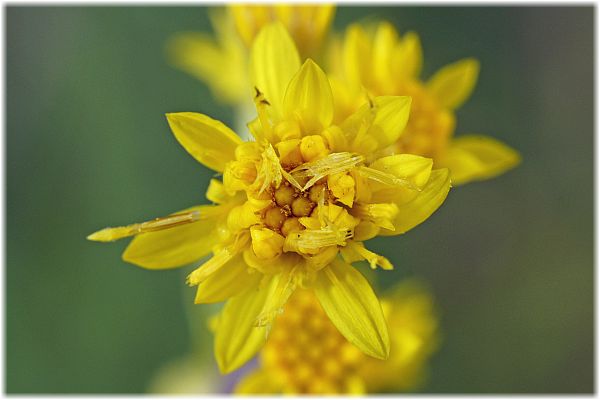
(509, 261)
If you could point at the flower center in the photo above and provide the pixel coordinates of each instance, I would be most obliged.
(289, 204)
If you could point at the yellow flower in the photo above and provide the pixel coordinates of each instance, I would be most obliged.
(381, 62)
(306, 354)
(294, 206)
(222, 61)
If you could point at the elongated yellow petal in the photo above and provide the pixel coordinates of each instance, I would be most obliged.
(273, 61)
(209, 141)
(259, 382)
(221, 66)
(415, 170)
(287, 281)
(178, 245)
(408, 57)
(475, 157)
(377, 125)
(308, 99)
(384, 46)
(237, 339)
(453, 84)
(231, 280)
(356, 55)
(349, 301)
(418, 209)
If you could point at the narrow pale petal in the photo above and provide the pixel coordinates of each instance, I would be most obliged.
(231, 280)
(237, 339)
(356, 55)
(349, 301)
(178, 245)
(309, 99)
(452, 85)
(273, 61)
(475, 157)
(418, 209)
(408, 57)
(220, 65)
(384, 46)
(209, 141)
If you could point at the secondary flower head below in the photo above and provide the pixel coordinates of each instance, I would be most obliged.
(305, 353)
(294, 206)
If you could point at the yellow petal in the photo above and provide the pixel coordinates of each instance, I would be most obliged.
(258, 382)
(386, 118)
(349, 301)
(209, 141)
(176, 246)
(418, 209)
(408, 57)
(221, 66)
(453, 84)
(237, 339)
(231, 280)
(384, 44)
(273, 61)
(414, 169)
(308, 99)
(356, 55)
(475, 157)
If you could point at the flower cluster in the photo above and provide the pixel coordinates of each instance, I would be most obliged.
(335, 159)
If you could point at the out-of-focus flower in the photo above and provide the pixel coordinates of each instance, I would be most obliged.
(306, 354)
(294, 207)
(378, 62)
(222, 61)
(186, 375)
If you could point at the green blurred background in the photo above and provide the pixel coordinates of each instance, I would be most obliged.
(510, 261)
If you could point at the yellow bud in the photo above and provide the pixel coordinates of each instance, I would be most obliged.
(266, 243)
(301, 207)
(313, 148)
(284, 195)
(291, 225)
(342, 187)
(274, 218)
(335, 138)
(315, 191)
(289, 153)
(242, 217)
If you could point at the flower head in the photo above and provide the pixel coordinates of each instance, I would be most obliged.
(306, 354)
(379, 62)
(294, 206)
(222, 61)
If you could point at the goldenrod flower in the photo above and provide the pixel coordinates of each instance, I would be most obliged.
(293, 208)
(222, 61)
(380, 62)
(306, 354)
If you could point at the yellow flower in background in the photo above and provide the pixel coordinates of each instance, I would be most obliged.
(305, 354)
(379, 62)
(293, 207)
(222, 61)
